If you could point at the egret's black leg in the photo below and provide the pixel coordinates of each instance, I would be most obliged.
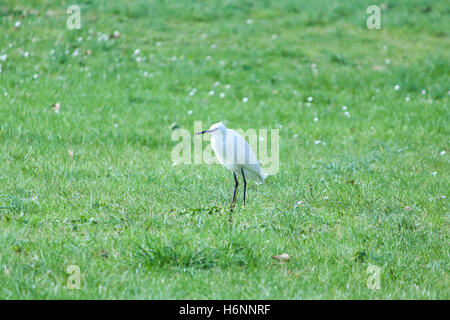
(245, 183)
(236, 184)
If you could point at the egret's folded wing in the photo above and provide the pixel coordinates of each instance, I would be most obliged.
(238, 151)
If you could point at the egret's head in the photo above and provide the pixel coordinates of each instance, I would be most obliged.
(215, 128)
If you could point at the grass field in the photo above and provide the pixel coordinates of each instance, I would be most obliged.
(93, 185)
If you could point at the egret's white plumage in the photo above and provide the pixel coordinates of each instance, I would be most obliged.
(235, 154)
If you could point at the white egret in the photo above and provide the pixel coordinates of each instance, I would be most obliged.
(235, 154)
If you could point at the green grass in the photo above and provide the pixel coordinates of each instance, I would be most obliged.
(140, 228)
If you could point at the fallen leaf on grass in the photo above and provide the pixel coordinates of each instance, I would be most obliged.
(282, 257)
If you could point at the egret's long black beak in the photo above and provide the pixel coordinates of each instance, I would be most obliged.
(202, 132)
